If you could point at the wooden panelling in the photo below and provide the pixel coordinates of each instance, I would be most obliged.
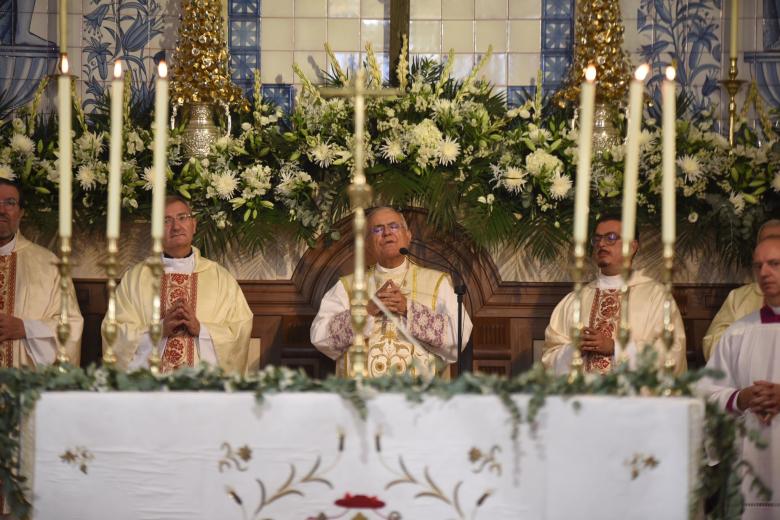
(508, 316)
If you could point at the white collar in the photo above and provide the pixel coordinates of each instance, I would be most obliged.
(184, 265)
(9, 247)
(604, 281)
(392, 270)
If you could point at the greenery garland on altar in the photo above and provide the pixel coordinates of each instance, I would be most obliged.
(502, 175)
(20, 388)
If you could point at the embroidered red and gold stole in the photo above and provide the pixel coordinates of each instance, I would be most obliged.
(180, 347)
(7, 296)
(604, 316)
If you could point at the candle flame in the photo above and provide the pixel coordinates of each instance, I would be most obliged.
(118, 69)
(162, 69)
(670, 73)
(590, 73)
(64, 64)
(642, 72)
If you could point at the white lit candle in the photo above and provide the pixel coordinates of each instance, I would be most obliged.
(160, 165)
(669, 157)
(115, 158)
(62, 19)
(582, 195)
(631, 172)
(65, 148)
(734, 46)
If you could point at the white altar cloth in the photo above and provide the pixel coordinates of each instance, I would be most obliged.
(190, 455)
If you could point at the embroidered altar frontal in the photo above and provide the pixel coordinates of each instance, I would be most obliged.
(310, 456)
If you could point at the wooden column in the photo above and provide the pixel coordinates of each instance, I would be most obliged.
(399, 26)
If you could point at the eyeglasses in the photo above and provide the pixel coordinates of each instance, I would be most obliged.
(609, 238)
(393, 227)
(180, 219)
(8, 203)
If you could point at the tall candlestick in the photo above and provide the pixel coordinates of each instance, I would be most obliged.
(631, 172)
(734, 45)
(669, 157)
(115, 159)
(160, 166)
(65, 148)
(582, 195)
(62, 22)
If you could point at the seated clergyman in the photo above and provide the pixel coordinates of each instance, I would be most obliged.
(204, 314)
(741, 301)
(422, 298)
(30, 294)
(601, 311)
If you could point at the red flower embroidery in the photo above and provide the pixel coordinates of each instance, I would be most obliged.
(360, 502)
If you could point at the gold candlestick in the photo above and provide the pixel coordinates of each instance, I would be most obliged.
(110, 329)
(155, 328)
(577, 363)
(668, 334)
(360, 196)
(732, 86)
(63, 325)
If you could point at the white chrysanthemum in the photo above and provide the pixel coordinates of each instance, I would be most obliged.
(86, 177)
(690, 166)
(22, 144)
(538, 135)
(148, 178)
(540, 162)
(514, 179)
(776, 182)
(449, 149)
(646, 139)
(427, 136)
(693, 217)
(392, 150)
(6, 172)
(257, 180)
(560, 187)
(738, 201)
(225, 184)
(89, 143)
(718, 140)
(322, 154)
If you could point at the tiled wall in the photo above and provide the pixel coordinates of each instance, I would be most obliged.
(527, 36)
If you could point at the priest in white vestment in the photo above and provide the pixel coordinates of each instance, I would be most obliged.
(601, 311)
(748, 354)
(741, 301)
(30, 294)
(422, 298)
(205, 316)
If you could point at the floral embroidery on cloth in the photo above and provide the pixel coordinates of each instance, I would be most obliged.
(604, 315)
(180, 347)
(426, 325)
(340, 330)
(7, 297)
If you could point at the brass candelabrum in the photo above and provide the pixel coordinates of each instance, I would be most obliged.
(155, 264)
(732, 86)
(110, 329)
(63, 325)
(578, 325)
(670, 353)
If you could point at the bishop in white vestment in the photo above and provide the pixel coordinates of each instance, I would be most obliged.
(601, 312)
(748, 354)
(423, 299)
(204, 312)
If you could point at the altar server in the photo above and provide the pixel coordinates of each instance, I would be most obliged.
(422, 298)
(748, 354)
(30, 294)
(205, 316)
(741, 301)
(601, 310)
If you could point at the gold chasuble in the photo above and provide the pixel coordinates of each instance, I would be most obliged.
(388, 349)
(7, 293)
(219, 304)
(180, 348)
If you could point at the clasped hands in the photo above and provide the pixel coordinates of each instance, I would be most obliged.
(762, 398)
(180, 319)
(596, 342)
(391, 297)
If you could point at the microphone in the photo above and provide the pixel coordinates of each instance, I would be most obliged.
(459, 288)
